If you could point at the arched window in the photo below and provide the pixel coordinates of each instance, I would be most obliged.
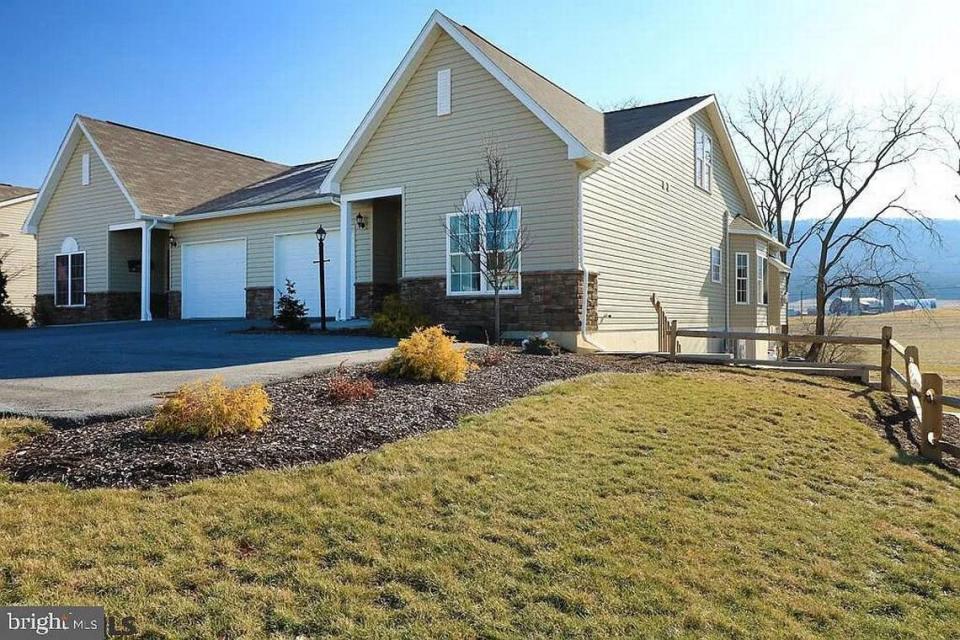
(70, 275)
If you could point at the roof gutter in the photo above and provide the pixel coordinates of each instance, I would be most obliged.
(240, 211)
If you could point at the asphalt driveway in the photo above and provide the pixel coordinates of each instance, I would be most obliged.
(77, 372)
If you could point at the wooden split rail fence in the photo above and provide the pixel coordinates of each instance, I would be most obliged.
(924, 389)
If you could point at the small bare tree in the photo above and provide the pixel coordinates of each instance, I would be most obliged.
(486, 234)
(873, 251)
(950, 126)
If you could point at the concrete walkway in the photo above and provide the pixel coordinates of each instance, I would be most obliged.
(70, 374)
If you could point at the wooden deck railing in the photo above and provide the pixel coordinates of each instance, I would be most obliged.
(924, 389)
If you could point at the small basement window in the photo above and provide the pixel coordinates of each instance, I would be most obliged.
(716, 268)
(70, 277)
(743, 278)
(443, 92)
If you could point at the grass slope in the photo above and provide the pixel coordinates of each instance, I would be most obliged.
(708, 504)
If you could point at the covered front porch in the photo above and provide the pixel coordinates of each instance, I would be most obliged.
(373, 225)
(138, 269)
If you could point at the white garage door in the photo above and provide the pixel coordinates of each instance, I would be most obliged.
(294, 259)
(215, 279)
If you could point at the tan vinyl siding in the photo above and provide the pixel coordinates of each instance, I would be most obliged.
(124, 246)
(363, 241)
(19, 251)
(259, 230)
(745, 317)
(434, 159)
(84, 213)
(649, 229)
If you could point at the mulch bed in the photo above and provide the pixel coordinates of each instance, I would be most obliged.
(306, 427)
(893, 419)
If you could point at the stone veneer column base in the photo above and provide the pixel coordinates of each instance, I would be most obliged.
(174, 305)
(549, 301)
(369, 297)
(259, 303)
(100, 307)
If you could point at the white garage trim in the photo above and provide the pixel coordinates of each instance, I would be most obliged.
(183, 269)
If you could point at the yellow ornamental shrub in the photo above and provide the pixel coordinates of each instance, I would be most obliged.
(208, 409)
(428, 355)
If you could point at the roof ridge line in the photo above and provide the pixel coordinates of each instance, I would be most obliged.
(528, 67)
(657, 104)
(184, 140)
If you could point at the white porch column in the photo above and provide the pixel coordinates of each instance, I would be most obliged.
(346, 260)
(146, 232)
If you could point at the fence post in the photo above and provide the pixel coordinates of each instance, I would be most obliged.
(673, 337)
(784, 347)
(931, 425)
(886, 359)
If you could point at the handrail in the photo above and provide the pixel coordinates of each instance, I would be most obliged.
(777, 337)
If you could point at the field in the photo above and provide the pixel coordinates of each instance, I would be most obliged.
(712, 503)
(936, 334)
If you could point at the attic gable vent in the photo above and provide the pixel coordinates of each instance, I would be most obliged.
(443, 92)
(85, 169)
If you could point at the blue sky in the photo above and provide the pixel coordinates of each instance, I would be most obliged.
(289, 81)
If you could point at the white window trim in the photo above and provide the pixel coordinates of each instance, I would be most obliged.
(444, 92)
(484, 291)
(70, 281)
(707, 174)
(719, 275)
(85, 169)
(761, 279)
(736, 277)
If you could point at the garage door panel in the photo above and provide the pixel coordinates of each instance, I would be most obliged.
(214, 279)
(295, 257)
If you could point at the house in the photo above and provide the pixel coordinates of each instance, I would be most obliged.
(615, 205)
(18, 251)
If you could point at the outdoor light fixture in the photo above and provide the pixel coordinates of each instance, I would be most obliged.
(321, 236)
(173, 241)
(361, 221)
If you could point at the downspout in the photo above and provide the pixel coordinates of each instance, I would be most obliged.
(583, 266)
(146, 273)
(726, 276)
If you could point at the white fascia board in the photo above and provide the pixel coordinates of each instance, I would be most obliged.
(736, 167)
(240, 211)
(56, 170)
(17, 200)
(575, 149)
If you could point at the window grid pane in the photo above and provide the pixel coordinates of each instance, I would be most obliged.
(76, 278)
(62, 280)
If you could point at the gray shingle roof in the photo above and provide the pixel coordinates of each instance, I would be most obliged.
(9, 192)
(626, 125)
(301, 182)
(167, 175)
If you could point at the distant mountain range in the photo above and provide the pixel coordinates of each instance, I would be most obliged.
(937, 267)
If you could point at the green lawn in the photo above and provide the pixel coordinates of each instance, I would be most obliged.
(708, 504)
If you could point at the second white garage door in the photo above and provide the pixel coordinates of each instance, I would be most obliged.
(295, 257)
(215, 279)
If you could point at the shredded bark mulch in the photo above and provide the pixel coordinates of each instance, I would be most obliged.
(306, 428)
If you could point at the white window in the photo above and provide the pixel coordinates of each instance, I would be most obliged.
(743, 278)
(70, 276)
(85, 169)
(716, 262)
(443, 92)
(473, 240)
(762, 295)
(703, 159)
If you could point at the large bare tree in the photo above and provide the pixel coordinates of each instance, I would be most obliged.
(782, 125)
(486, 234)
(862, 245)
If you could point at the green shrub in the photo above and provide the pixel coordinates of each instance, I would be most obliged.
(541, 346)
(208, 409)
(291, 311)
(428, 355)
(11, 319)
(396, 319)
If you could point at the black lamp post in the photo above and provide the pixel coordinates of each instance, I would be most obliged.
(321, 236)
